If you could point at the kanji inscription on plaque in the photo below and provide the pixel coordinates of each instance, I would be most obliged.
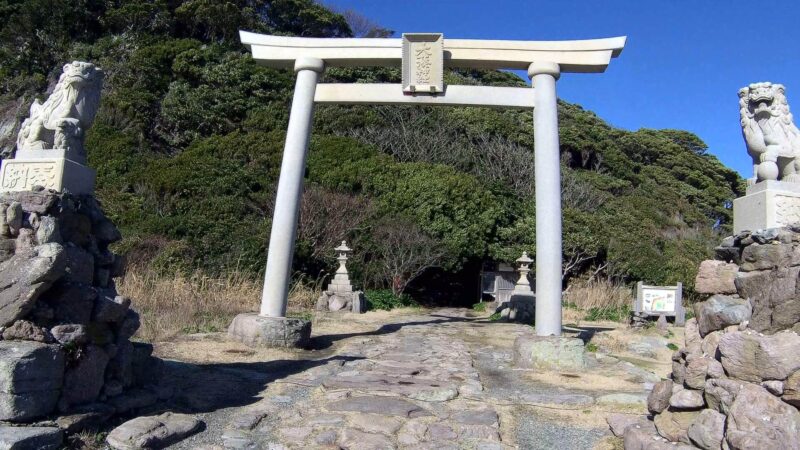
(25, 175)
(423, 63)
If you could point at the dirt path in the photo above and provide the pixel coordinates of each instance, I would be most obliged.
(437, 379)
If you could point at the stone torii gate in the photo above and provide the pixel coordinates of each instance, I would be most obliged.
(423, 57)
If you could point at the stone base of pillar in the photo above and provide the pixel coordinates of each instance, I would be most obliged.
(768, 204)
(549, 353)
(57, 173)
(259, 331)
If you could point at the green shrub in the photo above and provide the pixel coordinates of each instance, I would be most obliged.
(479, 307)
(672, 346)
(494, 317)
(384, 299)
(591, 347)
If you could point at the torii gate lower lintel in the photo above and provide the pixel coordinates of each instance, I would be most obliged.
(544, 60)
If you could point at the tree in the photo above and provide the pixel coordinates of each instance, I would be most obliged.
(403, 252)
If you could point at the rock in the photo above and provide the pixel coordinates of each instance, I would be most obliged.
(32, 202)
(130, 324)
(766, 257)
(549, 352)
(33, 272)
(765, 236)
(720, 311)
(80, 265)
(716, 277)
(772, 294)
(153, 432)
(70, 334)
(86, 417)
(106, 232)
(658, 400)
(476, 417)
(25, 241)
(707, 430)
(133, 399)
(618, 423)
(752, 357)
(48, 231)
(710, 344)
(75, 228)
(30, 438)
(691, 332)
(715, 369)
(757, 418)
(109, 307)
(674, 425)
(22, 330)
(791, 390)
(639, 437)
(14, 218)
(720, 393)
(687, 399)
(84, 380)
(378, 405)
(728, 254)
(71, 303)
(441, 432)
(696, 371)
(146, 369)
(352, 439)
(31, 375)
(121, 365)
(774, 387)
(8, 247)
(622, 398)
(258, 331)
(372, 423)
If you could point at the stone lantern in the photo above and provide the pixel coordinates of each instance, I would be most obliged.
(521, 306)
(340, 295)
(523, 285)
(342, 251)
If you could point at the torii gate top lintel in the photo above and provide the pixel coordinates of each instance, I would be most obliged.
(577, 56)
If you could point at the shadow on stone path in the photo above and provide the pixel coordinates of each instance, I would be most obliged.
(427, 381)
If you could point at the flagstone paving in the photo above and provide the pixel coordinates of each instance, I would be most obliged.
(429, 381)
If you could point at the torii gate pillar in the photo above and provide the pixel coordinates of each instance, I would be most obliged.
(290, 189)
(543, 76)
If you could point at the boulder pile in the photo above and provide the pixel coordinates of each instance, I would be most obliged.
(65, 332)
(736, 382)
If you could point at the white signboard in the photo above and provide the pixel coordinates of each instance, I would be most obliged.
(660, 301)
(423, 63)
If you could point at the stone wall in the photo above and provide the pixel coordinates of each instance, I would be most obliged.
(64, 330)
(736, 382)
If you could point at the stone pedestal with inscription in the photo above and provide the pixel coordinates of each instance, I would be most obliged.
(768, 204)
(49, 169)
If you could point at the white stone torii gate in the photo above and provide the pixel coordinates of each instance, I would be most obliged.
(544, 60)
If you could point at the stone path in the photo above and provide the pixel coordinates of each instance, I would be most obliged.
(427, 382)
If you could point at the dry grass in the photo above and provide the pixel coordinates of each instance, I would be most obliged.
(603, 298)
(191, 303)
(598, 294)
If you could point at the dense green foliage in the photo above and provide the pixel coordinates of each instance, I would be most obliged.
(189, 136)
(384, 299)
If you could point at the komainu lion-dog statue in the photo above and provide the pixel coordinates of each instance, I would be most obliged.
(62, 120)
(773, 141)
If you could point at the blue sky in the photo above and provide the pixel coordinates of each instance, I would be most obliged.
(681, 68)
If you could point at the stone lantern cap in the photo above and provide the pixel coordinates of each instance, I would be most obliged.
(524, 259)
(343, 248)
